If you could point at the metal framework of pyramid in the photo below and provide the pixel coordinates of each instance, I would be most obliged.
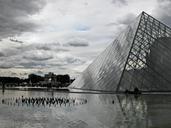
(140, 57)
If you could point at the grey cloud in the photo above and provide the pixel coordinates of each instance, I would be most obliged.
(163, 11)
(40, 72)
(56, 64)
(25, 73)
(43, 46)
(166, 19)
(32, 65)
(14, 16)
(19, 74)
(6, 65)
(13, 73)
(46, 48)
(18, 62)
(30, 49)
(50, 47)
(9, 62)
(2, 54)
(124, 20)
(16, 41)
(73, 60)
(77, 43)
(123, 2)
(37, 57)
(112, 24)
(66, 62)
(63, 68)
(31, 56)
(127, 19)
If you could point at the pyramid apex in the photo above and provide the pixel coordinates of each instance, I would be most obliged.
(132, 60)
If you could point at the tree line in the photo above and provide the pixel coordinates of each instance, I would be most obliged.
(36, 80)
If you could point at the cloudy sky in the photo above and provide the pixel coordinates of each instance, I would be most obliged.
(64, 36)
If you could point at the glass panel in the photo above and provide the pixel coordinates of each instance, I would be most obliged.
(151, 70)
(106, 70)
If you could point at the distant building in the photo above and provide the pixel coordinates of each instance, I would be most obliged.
(50, 78)
(57, 80)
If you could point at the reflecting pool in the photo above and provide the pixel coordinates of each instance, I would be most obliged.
(40, 109)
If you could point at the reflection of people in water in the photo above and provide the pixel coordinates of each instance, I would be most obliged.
(134, 110)
(3, 88)
(44, 101)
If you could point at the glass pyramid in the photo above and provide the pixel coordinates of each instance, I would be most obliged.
(140, 57)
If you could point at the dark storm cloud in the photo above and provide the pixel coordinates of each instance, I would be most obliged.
(77, 43)
(14, 16)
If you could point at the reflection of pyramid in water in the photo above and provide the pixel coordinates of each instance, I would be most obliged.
(139, 57)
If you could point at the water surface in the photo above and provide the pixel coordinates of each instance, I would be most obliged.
(76, 110)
